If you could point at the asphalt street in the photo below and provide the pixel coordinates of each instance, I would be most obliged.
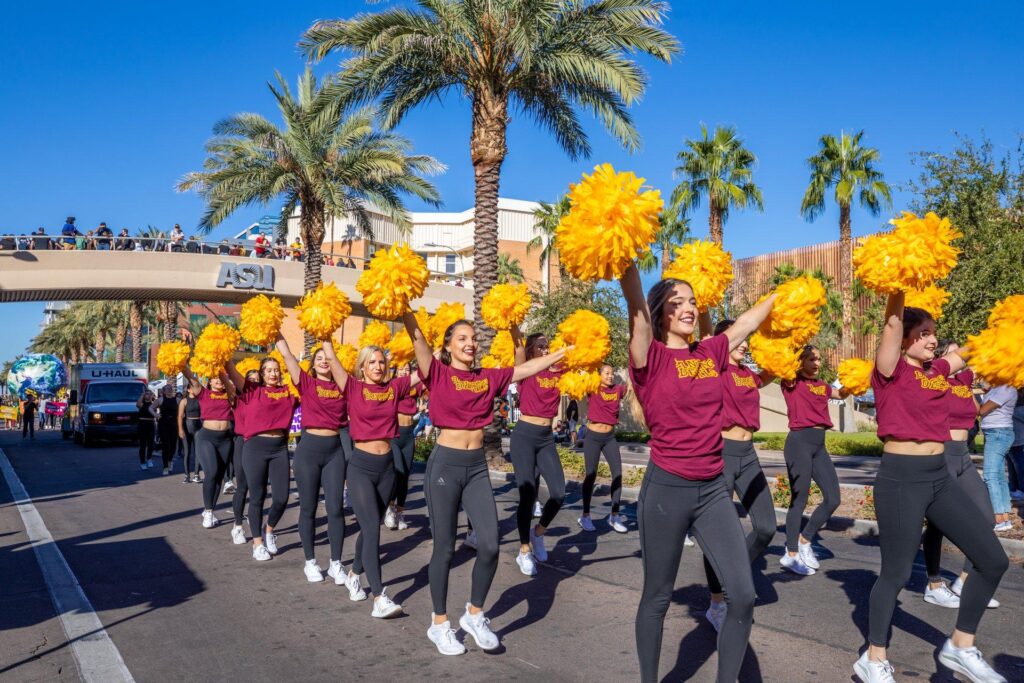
(181, 603)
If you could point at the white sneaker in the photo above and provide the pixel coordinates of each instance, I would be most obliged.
(389, 518)
(209, 521)
(270, 539)
(1003, 526)
(958, 587)
(478, 626)
(870, 671)
(195, 478)
(384, 607)
(942, 596)
(688, 541)
(585, 523)
(402, 524)
(795, 565)
(167, 470)
(470, 539)
(227, 488)
(237, 534)
(355, 589)
(149, 464)
(806, 554)
(526, 564)
(143, 467)
(260, 554)
(537, 509)
(617, 522)
(443, 637)
(716, 614)
(537, 544)
(313, 573)
(336, 572)
(969, 662)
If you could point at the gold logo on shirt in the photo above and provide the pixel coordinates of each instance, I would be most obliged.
(698, 369)
(609, 397)
(277, 395)
(938, 383)
(478, 386)
(744, 381)
(327, 393)
(961, 391)
(816, 389)
(217, 397)
(378, 395)
(547, 382)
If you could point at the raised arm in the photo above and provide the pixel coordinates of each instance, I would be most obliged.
(235, 377)
(640, 331)
(340, 376)
(181, 419)
(539, 364)
(704, 326)
(290, 361)
(517, 345)
(192, 379)
(748, 323)
(229, 386)
(424, 354)
(890, 346)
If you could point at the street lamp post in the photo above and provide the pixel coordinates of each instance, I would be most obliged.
(462, 265)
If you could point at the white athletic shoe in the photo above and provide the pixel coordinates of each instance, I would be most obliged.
(143, 467)
(942, 596)
(470, 540)
(389, 518)
(870, 671)
(443, 637)
(336, 572)
(167, 470)
(617, 522)
(716, 614)
(537, 544)
(260, 554)
(969, 662)
(795, 564)
(688, 541)
(195, 478)
(209, 521)
(537, 509)
(227, 488)
(355, 589)
(384, 607)
(270, 540)
(237, 534)
(402, 524)
(585, 523)
(313, 573)
(478, 626)
(806, 554)
(958, 587)
(526, 564)
(1003, 526)
(149, 464)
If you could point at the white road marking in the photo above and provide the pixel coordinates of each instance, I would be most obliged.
(96, 656)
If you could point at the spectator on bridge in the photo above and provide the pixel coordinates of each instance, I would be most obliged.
(139, 245)
(262, 245)
(296, 248)
(70, 233)
(280, 249)
(104, 236)
(23, 243)
(160, 243)
(124, 241)
(8, 243)
(177, 238)
(40, 241)
(223, 248)
(235, 250)
(83, 242)
(191, 246)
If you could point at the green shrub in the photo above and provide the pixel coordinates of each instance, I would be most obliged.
(421, 451)
(575, 468)
(632, 437)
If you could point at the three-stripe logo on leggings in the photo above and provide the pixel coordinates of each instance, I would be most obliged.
(440, 481)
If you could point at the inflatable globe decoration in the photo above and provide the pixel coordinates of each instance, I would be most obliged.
(41, 373)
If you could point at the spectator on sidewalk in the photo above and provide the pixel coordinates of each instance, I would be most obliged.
(997, 408)
(1016, 455)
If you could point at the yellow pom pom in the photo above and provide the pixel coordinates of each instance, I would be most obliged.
(426, 325)
(505, 306)
(997, 353)
(444, 317)
(796, 312)
(855, 375)
(400, 350)
(916, 253)
(347, 355)
(247, 365)
(214, 348)
(375, 333)
(261, 319)
(706, 267)
(931, 299)
(395, 277)
(779, 356)
(579, 384)
(590, 334)
(502, 352)
(1008, 310)
(323, 310)
(172, 357)
(609, 224)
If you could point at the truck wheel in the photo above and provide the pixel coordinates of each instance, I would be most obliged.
(65, 435)
(87, 442)
(78, 437)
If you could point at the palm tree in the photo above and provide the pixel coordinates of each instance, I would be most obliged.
(327, 159)
(136, 318)
(851, 169)
(548, 216)
(509, 269)
(673, 231)
(721, 169)
(546, 58)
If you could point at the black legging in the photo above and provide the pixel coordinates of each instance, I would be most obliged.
(402, 448)
(191, 455)
(594, 445)
(214, 446)
(457, 477)
(265, 460)
(908, 490)
(669, 507)
(965, 474)
(371, 481)
(743, 474)
(320, 461)
(168, 440)
(533, 449)
(807, 459)
(146, 429)
(241, 484)
(28, 426)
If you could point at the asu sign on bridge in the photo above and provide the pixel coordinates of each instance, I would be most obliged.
(161, 276)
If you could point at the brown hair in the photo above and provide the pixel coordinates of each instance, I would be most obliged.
(263, 364)
(446, 356)
(912, 317)
(657, 297)
(723, 325)
(531, 341)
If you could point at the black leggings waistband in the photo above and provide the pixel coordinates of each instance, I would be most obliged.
(457, 456)
(913, 467)
(370, 461)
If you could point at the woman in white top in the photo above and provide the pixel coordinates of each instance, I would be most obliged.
(997, 425)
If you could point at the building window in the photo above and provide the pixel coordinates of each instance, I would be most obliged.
(449, 264)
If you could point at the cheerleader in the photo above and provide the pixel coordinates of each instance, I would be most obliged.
(214, 442)
(602, 416)
(403, 448)
(241, 492)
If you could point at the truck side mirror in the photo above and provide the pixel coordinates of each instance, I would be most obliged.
(73, 398)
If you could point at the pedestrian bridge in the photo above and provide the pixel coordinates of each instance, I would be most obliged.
(46, 275)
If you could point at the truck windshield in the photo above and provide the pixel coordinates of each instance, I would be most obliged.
(114, 392)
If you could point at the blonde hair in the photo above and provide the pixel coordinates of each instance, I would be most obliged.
(365, 354)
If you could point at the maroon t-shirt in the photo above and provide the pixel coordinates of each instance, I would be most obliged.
(407, 405)
(680, 391)
(539, 395)
(373, 408)
(912, 405)
(267, 408)
(603, 405)
(741, 400)
(464, 399)
(323, 403)
(214, 405)
(963, 409)
(239, 413)
(807, 403)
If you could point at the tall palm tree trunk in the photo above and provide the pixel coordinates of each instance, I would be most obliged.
(120, 335)
(846, 280)
(169, 320)
(100, 345)
(135, 323)
(666, 257)
(312, 226)
(715, 224)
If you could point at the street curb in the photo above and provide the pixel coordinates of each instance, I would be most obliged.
(856, 528)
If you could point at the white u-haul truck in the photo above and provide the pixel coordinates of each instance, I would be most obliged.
(101, 405)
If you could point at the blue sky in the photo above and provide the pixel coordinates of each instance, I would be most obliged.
(106, 105)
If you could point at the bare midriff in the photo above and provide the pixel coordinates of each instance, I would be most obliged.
(599, 427)
(737, 433)
(321, 431)
(276, 433)
(899, 447)
(216, 425)
(958, 435)
(462, 439)
(374, 447)
(534, 420)
(405, 420)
